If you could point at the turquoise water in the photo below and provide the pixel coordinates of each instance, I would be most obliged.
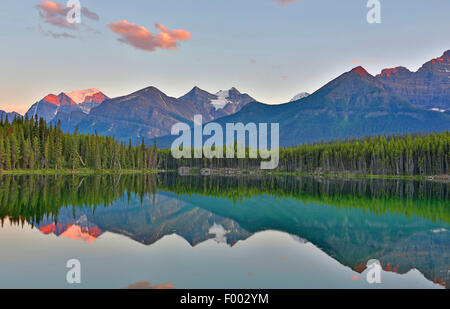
(168, 231)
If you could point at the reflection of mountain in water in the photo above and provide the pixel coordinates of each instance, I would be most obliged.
(428, 251)
(71, 228)
(350, 236)
(148, 222)
(403, 224)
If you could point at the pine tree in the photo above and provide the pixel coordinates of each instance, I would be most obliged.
(7, 160)
(2, 150)
(15, 152)
(36, 151)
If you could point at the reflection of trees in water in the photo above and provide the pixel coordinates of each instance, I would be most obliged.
(407, 197)
(32, 198)
(351, 237)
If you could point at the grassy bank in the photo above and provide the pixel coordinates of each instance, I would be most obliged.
(83, 171)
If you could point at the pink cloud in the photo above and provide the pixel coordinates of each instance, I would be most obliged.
(51, 7)
(55, 14)
(139, 37)
(355, 61)
(284, 2)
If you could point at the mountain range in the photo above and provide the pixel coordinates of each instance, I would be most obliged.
(66, 103)
(428, 88)
(10, 116)
(149, 113)
(354, 104)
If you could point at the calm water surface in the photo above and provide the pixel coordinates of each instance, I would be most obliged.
(169, 231)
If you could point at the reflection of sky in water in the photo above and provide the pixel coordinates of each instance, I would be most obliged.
(30, 259)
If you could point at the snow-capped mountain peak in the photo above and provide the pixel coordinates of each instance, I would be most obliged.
(81, 100)
(79, 96)
(222, 99)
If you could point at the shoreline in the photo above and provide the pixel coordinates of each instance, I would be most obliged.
(365, 176)
(86, 172)
(194, 171)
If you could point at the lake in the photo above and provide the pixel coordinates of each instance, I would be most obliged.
(171, 231)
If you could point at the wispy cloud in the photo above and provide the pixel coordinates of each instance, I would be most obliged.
(89, 14)
(53, 13)
(285, 2)
(56, 35)
(139, 37)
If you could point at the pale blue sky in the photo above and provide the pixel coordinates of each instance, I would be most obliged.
(270, 51)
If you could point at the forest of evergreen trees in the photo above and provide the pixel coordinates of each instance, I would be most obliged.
(33, 144)
(407, 155)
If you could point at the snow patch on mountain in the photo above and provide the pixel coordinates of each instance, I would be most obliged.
(222, 99)
(435, 109)
(299, 96)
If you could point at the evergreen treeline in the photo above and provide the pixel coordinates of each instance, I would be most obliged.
(407, 155)
(398, 155)
(33, 144)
